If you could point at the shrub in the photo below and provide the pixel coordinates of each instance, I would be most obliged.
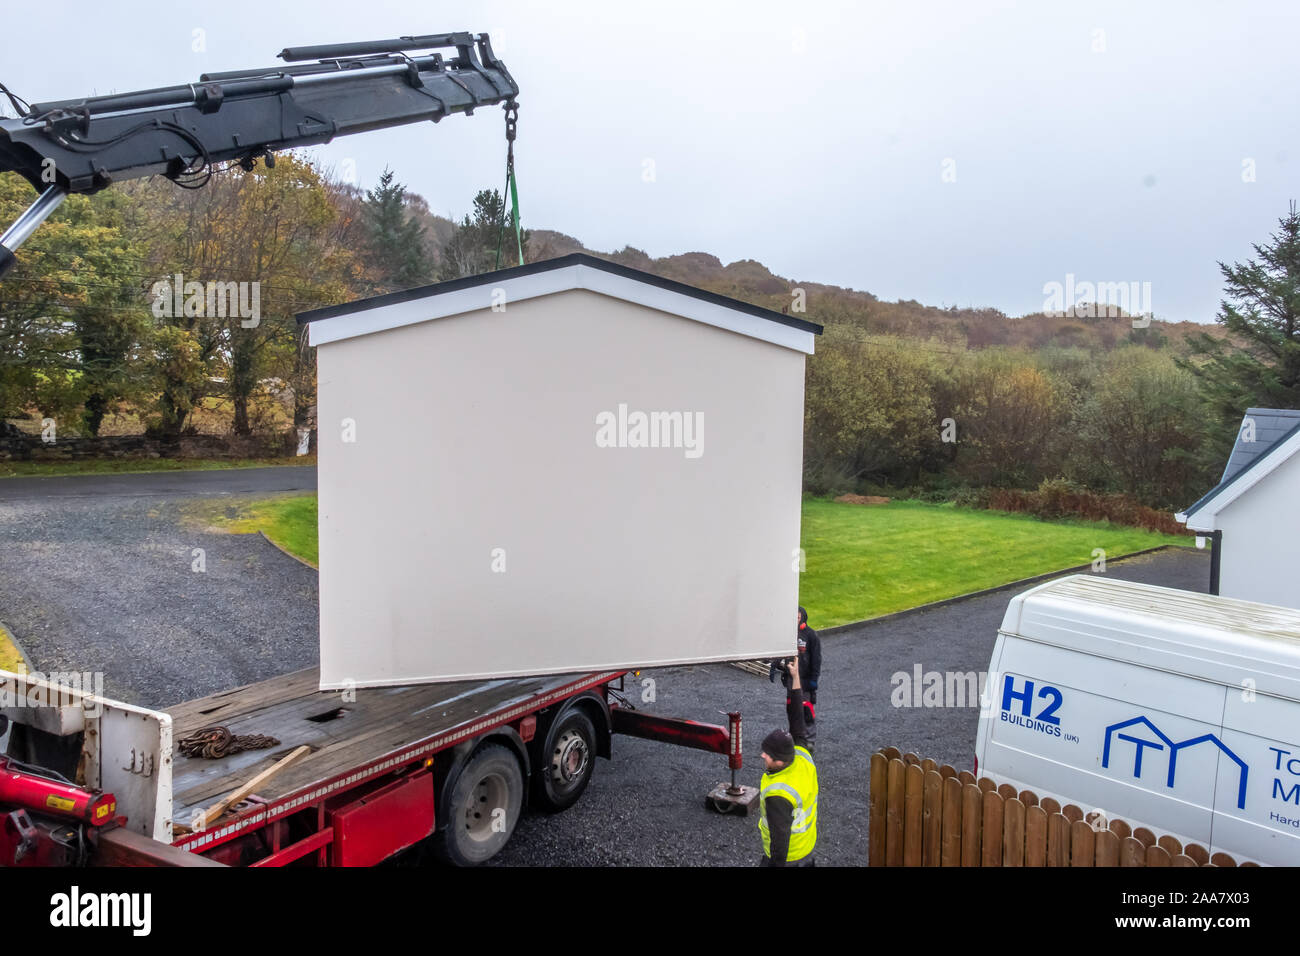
(971, 498)
(1057, 498)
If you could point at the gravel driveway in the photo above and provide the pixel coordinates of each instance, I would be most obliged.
(97, 573)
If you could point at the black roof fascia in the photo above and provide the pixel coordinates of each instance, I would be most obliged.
(546, 265)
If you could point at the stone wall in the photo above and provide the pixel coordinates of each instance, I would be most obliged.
(17, 446)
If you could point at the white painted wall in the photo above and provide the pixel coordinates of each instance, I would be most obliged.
(1261, 540)
(477, 431)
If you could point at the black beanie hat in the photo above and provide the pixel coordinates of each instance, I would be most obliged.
(779, 745)
(803, 616)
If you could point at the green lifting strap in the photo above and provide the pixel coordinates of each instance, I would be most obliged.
(514, 211)
(512, 186)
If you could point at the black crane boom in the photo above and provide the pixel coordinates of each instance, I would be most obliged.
(81, 146)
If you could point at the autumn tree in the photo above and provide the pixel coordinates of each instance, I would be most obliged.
(1010, 419)
(293, 251)
(868, 411)
(186, 235)
(112, 321)
(69, 315)
(1141, 430)
(269, 236)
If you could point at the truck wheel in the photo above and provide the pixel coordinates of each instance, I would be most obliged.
(565, 764)
(483, 809)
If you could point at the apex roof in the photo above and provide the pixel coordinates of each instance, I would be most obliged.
(1267, 438)
(575, 271)
(1269, 425)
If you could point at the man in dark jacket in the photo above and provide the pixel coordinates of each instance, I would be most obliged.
(810, 670)
(810, 660)
(788, 790)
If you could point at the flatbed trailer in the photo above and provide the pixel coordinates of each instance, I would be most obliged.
(384, 769)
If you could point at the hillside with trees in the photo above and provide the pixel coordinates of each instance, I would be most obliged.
(101, 332)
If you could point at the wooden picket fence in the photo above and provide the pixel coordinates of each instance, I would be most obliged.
(924, 814)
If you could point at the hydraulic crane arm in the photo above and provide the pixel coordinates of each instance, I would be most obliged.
(81, 146)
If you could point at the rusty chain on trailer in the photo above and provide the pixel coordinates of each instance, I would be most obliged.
(217, 741)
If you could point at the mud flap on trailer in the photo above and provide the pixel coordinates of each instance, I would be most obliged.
(382, 823)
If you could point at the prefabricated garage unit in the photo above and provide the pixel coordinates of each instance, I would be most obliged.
(566, 466)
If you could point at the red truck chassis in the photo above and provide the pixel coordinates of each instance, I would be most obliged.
(390, 769)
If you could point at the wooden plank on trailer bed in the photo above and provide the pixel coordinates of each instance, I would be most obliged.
(214, 708)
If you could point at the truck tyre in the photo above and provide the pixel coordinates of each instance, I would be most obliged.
(483, 807)
(565, 763)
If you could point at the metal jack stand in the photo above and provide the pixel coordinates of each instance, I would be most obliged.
(733, 797)
(725, 798)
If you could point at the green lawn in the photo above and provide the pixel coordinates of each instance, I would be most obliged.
(289, 520)
(102, 466)
(867, 560)
(10, 659)
(862, 560)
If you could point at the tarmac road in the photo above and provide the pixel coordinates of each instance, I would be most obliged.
(194, 484)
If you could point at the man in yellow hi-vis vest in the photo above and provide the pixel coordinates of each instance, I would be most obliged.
(787, 795)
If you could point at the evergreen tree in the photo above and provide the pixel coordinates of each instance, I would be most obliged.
(1258, 363)
(472, 249)
(397, 252)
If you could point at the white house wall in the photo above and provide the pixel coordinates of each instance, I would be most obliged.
(477, 432)
(1261, 540)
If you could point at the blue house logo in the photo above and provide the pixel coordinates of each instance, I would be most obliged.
(1164, 744)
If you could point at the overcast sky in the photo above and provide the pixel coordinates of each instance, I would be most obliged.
(953, 153)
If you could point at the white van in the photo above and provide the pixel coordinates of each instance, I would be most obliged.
(1172, 710)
